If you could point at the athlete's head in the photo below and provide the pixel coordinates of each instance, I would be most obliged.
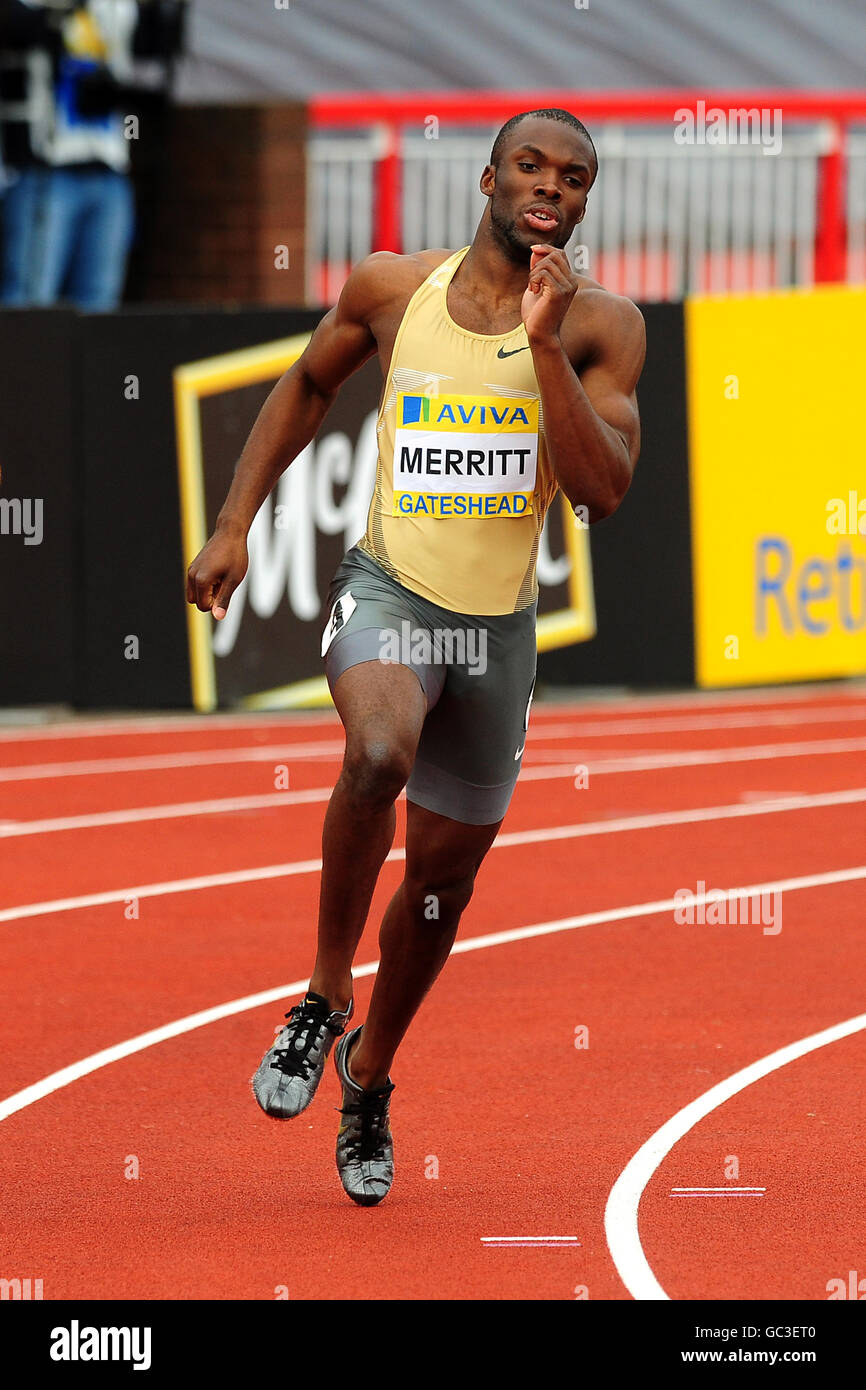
(542, 166)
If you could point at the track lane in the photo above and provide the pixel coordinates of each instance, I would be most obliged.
(240, 933)
(218, 1210)
(101, 975)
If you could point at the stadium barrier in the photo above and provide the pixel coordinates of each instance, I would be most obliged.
(738, 557)
(773, 194)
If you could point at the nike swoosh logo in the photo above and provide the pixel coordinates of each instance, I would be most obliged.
(518, 753)
(503, 353)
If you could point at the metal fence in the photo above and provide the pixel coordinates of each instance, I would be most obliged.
(662, 220)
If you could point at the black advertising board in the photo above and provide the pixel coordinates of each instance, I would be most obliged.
(266, 652)
(113, 419)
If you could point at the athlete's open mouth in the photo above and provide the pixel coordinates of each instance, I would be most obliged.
(542, 219)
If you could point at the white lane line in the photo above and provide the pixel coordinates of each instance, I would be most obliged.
(159, 762)
(158, 890)
(621, 1211)
(509, 1242)
(58, 1079)
(718, 1191)
(333, 748)
(753, 720)
(620, 825)
(133, 815)
(640, 763)
(695, 757)
(90, 726)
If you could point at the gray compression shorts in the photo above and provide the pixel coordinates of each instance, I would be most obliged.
(478, 674)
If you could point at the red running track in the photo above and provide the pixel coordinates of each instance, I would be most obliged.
(503, 1126)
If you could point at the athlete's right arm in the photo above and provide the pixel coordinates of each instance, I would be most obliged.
(286, 423)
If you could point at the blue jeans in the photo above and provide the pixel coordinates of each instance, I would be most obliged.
(67, 234)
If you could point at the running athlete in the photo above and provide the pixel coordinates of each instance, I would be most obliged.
(506, 377)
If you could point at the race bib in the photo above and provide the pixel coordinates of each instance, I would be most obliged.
(465, 456)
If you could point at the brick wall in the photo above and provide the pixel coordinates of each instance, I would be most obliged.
(219, 188)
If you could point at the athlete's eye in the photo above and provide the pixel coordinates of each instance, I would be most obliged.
(525, 164)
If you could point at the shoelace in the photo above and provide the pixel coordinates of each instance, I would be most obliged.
(305, 1020)
(367, 1141)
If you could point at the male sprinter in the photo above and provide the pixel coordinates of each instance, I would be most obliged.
(507, 376)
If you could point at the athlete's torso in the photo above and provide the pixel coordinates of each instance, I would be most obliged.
(463, 481)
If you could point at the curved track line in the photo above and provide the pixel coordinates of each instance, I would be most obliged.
(58, 1079)
(621, 1211)
(547, 835)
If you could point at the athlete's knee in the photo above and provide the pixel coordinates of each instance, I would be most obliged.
(438, 895)
(375, 770)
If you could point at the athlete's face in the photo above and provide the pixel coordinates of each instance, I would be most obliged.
(538, 191)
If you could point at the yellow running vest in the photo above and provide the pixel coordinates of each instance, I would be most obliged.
(462, 480)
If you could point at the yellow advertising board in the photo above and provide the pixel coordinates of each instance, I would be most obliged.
(777, 458)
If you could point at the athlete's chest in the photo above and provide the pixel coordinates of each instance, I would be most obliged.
(475, 317)
(431, 345)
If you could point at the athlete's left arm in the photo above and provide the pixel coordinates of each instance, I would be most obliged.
(591, 424)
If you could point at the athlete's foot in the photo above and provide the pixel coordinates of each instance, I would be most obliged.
(338, 994)
(365, 1145)
(368, 1078)
(290, 1071)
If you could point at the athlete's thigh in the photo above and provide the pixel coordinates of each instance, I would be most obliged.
(381, 704)
(471, 747)
(382, 692)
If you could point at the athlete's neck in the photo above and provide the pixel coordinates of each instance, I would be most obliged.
(487, 272)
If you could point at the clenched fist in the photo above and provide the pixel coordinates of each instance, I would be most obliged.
(216, 572)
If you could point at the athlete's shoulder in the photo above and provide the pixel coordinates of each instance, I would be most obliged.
(386, 274)
(614, 308)
(606, 320)
(384, 282)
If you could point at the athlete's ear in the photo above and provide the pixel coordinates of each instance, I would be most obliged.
(488, 180)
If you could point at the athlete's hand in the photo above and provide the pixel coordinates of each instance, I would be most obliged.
(552, 286)
(216, 572)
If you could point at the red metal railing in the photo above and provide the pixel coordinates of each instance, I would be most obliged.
(392, 113)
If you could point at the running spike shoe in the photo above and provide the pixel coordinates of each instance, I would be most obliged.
(291, 1070)
(365, 1145)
